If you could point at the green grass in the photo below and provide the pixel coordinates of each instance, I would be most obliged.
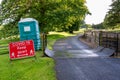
(27, 69)
(1, 27)
(115, 30)
(53, 36)
(4, 50)
(39, 68)
(4, 42)
(4, 45)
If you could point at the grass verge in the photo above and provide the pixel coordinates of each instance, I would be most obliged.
(27, 69)
(53, 36)
(39, 68)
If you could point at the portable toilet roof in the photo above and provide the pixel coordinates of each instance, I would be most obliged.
(27, 20)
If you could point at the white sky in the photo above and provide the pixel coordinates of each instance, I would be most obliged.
(98, 8)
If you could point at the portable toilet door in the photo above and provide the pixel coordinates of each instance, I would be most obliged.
(29, 30)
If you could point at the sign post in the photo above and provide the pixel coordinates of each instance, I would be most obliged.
(22, 49)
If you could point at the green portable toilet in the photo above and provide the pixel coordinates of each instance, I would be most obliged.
(29, 30)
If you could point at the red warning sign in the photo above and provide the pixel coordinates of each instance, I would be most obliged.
(21, 49)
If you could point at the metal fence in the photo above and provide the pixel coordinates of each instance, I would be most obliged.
(105, 39)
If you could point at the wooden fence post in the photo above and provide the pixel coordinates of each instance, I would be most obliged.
(106, 39)
(117, 44)
(44, 43)
(100, 37)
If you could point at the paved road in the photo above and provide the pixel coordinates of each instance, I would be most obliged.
(70, 43)
(88, 69)
(72, 47)
(71, 66)
(64, 46)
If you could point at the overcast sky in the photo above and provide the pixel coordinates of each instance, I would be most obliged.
(98, 8)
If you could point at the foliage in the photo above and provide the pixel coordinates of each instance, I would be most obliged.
(60, 15)
(88, 26)
(98, 26)
(112, 18)
(8, 31)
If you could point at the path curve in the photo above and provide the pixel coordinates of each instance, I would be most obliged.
(72, 47)
(72, 65)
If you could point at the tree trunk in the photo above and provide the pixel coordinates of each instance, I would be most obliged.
(71, 31)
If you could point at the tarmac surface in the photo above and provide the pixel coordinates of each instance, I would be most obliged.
(88, 69)
(77, 61)
(72, 47)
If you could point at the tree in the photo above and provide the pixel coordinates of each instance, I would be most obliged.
(98, 26)
(112, 18)
(51, 14)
